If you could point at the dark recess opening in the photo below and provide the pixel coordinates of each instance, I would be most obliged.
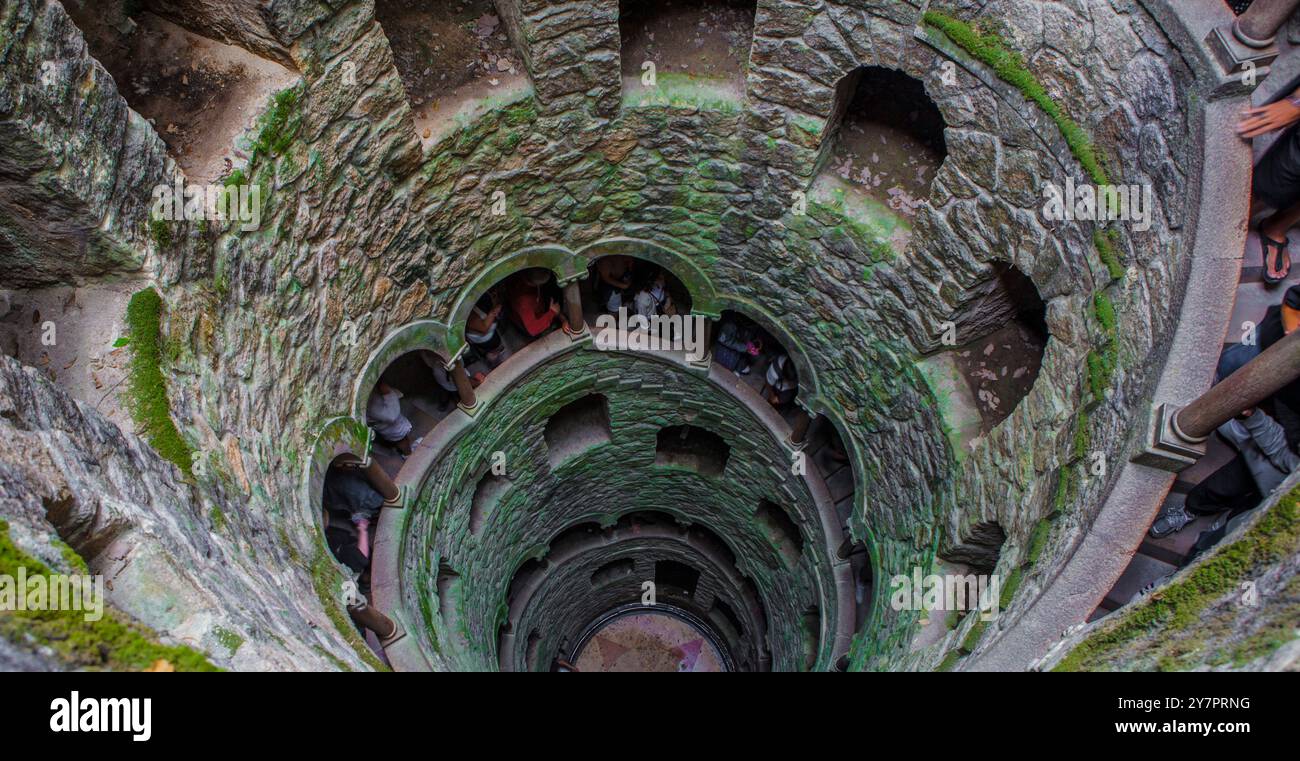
(700, 39)
(672, 576)
(695, 448)
(781, 531)
(612, 572)
(487, 495)
(811, 623)
(979, 549)
(577, 427)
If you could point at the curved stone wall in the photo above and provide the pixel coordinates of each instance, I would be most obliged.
(364, 233)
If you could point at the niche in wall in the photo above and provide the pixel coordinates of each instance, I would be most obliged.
(685, 446)
(577, 427)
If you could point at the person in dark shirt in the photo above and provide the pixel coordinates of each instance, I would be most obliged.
(1279, 320)
(351, 505)
(1277, 180)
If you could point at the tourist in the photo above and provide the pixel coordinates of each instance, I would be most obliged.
(652, 298)
(532, 309)
(351, 504)
(1277, 180)
(384, 415)
(1280, 320)
(613, 279)
(736, 346)
(782, 383)
(447, 391)
(1263, 461)
(481, 328)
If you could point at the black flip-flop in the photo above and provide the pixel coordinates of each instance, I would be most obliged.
(1283, 260)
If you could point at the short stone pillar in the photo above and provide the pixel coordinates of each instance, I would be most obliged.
(378, 478)
(799, 431)
(464, 389)
(706, 340)
(1249, 42)
(1179, 433)
(368, 617)
(1259, 25)
(576, 330)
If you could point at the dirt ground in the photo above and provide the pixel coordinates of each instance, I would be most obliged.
(454, 56)
(890, 143)
(199, 94)
(709, 40)
(79, 355)
(1001, 369)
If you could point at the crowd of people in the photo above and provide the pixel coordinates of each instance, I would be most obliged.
(1265, 438)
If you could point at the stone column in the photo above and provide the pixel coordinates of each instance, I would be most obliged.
(577, 328)
(1180, 432)
(385, 628)
(464, 389)
(379, 479)
(799, 431)
(1259, 25)
(706, 338)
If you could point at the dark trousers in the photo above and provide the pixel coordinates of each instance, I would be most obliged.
(1231, 487)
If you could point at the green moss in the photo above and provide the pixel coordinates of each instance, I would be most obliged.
(71, 557)
(1104, 243)
(1037, 542)
(1099, 372)
(973, 636)
(1104, 309)
(326, 579)
(1008, 65)
(949, 661)
(278, 125)
(146, 389)
(228, 639)
(111, 643)
(1082, 436)
(1009, 587)
(160, 230)
(1181, 605)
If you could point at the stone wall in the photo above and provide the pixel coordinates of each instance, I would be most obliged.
(363, 230)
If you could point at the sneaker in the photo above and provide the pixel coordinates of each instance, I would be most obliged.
(1171, 520)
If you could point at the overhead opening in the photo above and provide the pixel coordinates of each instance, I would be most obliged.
(699, 50)
(456, 61)
(612, 572)
(577, 427)
(685, 446)
(199, 94)
(978, 549)
(449, 601)
(782, 532)
(880, 151)
(1008, 320)
(672, 577)
(487, 495)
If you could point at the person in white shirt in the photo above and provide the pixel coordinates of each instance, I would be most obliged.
(384, 414)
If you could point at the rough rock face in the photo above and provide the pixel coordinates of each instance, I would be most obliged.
(363, 231)
(68, 474)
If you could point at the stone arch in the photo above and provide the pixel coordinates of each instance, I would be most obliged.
(704, 296)
(562, 262)
(809, 396)
(421, 334)
(338, 437)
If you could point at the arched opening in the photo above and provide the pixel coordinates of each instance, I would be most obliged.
(514, 312)
(412, 395)
(199, 94)
(487, 495)
(691, 448)
(577, 427)
(454, 59)
(884, 139)
(638, 285)
(1001, 340)
(699, 49)
(744, 347)
(781, 531)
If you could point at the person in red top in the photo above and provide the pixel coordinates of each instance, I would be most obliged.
(531, 308)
